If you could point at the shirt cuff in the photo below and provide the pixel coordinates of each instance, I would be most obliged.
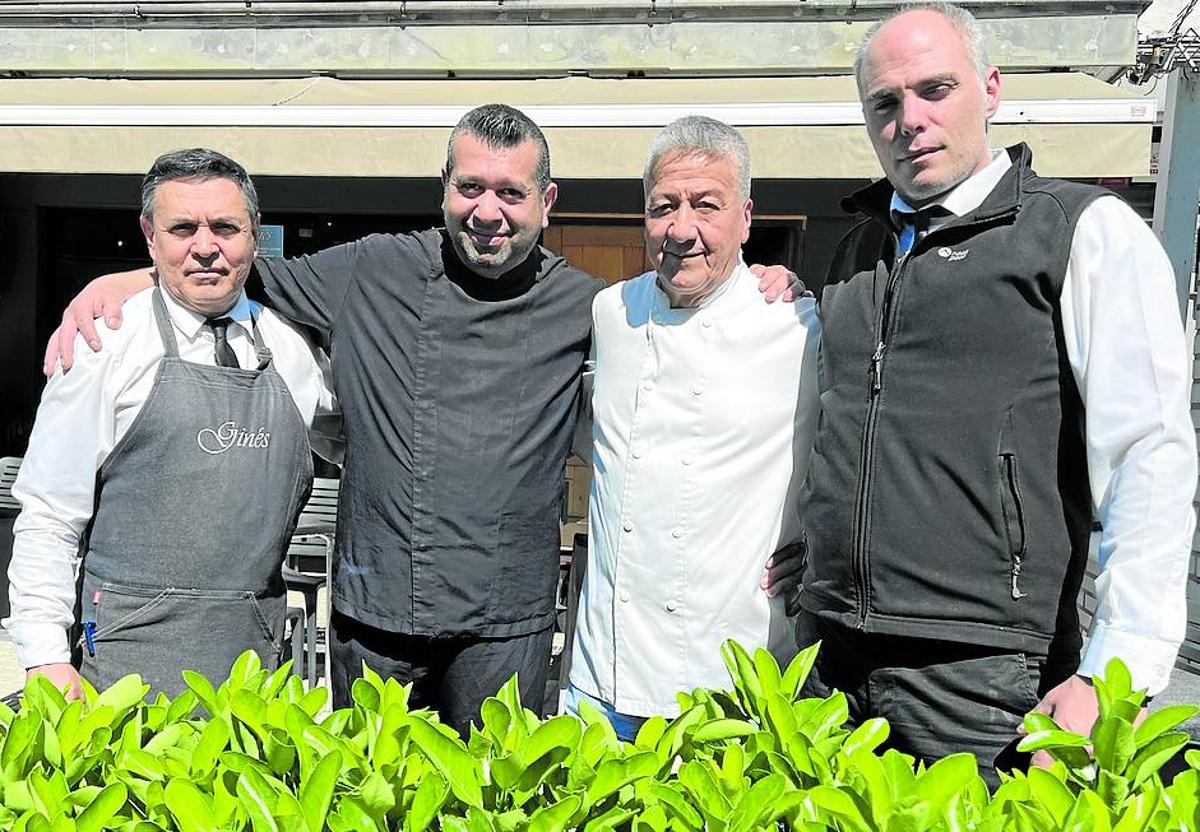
(1149, 660)
(38, 643)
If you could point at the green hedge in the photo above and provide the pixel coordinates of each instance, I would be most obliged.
(754, 758)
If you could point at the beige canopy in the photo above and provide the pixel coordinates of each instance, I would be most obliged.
(798, 128)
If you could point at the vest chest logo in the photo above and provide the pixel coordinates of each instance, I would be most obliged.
(229, 435)
(952, 255)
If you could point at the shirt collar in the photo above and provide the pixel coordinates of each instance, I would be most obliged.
(189, 322)
(965, 197)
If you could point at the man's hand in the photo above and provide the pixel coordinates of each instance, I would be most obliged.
(782, 574)
(1072, 704)
(61, 675)
(102, 298)
(777, 283)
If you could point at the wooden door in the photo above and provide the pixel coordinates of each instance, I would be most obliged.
(610, 252)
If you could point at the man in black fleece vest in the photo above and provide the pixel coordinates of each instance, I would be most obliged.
(1003, 367)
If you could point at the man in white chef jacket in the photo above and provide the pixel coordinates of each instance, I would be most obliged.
(704, 408)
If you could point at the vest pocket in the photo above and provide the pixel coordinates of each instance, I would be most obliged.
(1014, 519)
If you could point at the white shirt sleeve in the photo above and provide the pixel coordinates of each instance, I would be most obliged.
(1126, 346)
(74, 432)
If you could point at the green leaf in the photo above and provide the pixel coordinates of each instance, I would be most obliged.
(1051, 793)
(450, 757)
(316, 792)
(258, 799)
(759, 805)
(769, 677)
(1138, 813)
(798, 669)
(189, 806)
(1151, 758)
(676, 804)
(124, 694)
(183, 706)
(250, 708)
(213, 740)
(1053, 738)
(868, 736)
(426, 803)
(1113, 744)
(839, 804)
(744, 675)
(555, 817)
(723, 729)
(1159, 722)
(22, 736)
(615, 774)
(102, 808)
(944, 779)
(1112, 789)
(650, 733)
(203, 690)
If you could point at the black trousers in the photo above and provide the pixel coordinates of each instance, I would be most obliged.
(939, 697)
(450, 675)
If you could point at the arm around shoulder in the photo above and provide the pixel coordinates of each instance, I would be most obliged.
(103, 297)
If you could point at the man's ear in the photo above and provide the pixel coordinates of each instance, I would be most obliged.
(549, 197)
(148, 233)
(991, 90)
(445, 177)
(748, 211)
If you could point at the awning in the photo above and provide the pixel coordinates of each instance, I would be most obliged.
(798, 128)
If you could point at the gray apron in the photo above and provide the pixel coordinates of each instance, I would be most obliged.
(194, 509)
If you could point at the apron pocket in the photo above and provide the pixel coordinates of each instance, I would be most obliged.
(159, 632)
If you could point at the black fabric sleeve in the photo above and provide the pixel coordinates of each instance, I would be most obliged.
(308, 290)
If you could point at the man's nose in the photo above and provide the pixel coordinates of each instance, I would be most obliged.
(204, 244)
(487, 209)
(912, 117)
(683, 227)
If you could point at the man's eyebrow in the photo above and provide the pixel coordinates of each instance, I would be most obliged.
(183, 220)
(890, 92)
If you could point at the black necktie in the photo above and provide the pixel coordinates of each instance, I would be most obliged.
(224, 353)
(915, 225)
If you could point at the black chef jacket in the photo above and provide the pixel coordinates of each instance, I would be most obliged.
(459, 397)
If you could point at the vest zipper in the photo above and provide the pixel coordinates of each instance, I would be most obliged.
(862, 570)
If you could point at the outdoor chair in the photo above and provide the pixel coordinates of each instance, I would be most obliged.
(307, 563)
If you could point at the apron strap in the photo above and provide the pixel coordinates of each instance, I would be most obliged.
(165, 329)
(261, 350)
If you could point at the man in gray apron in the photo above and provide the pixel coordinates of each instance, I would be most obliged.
(200, 458)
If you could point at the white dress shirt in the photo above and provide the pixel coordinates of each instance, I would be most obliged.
(1126, 347)
(83, 414)
(703, 421)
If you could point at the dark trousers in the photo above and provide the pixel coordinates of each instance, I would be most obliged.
(939, 697)
(450, 675)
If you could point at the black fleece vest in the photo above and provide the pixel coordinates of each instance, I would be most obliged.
(948, 494)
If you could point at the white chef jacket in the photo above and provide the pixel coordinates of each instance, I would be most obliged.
(1125, 344)
(702, 424)
(83, 414)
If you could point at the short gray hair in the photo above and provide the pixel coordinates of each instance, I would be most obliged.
(500, 126)
(962, 20)
(702, 136)
(197, 163)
